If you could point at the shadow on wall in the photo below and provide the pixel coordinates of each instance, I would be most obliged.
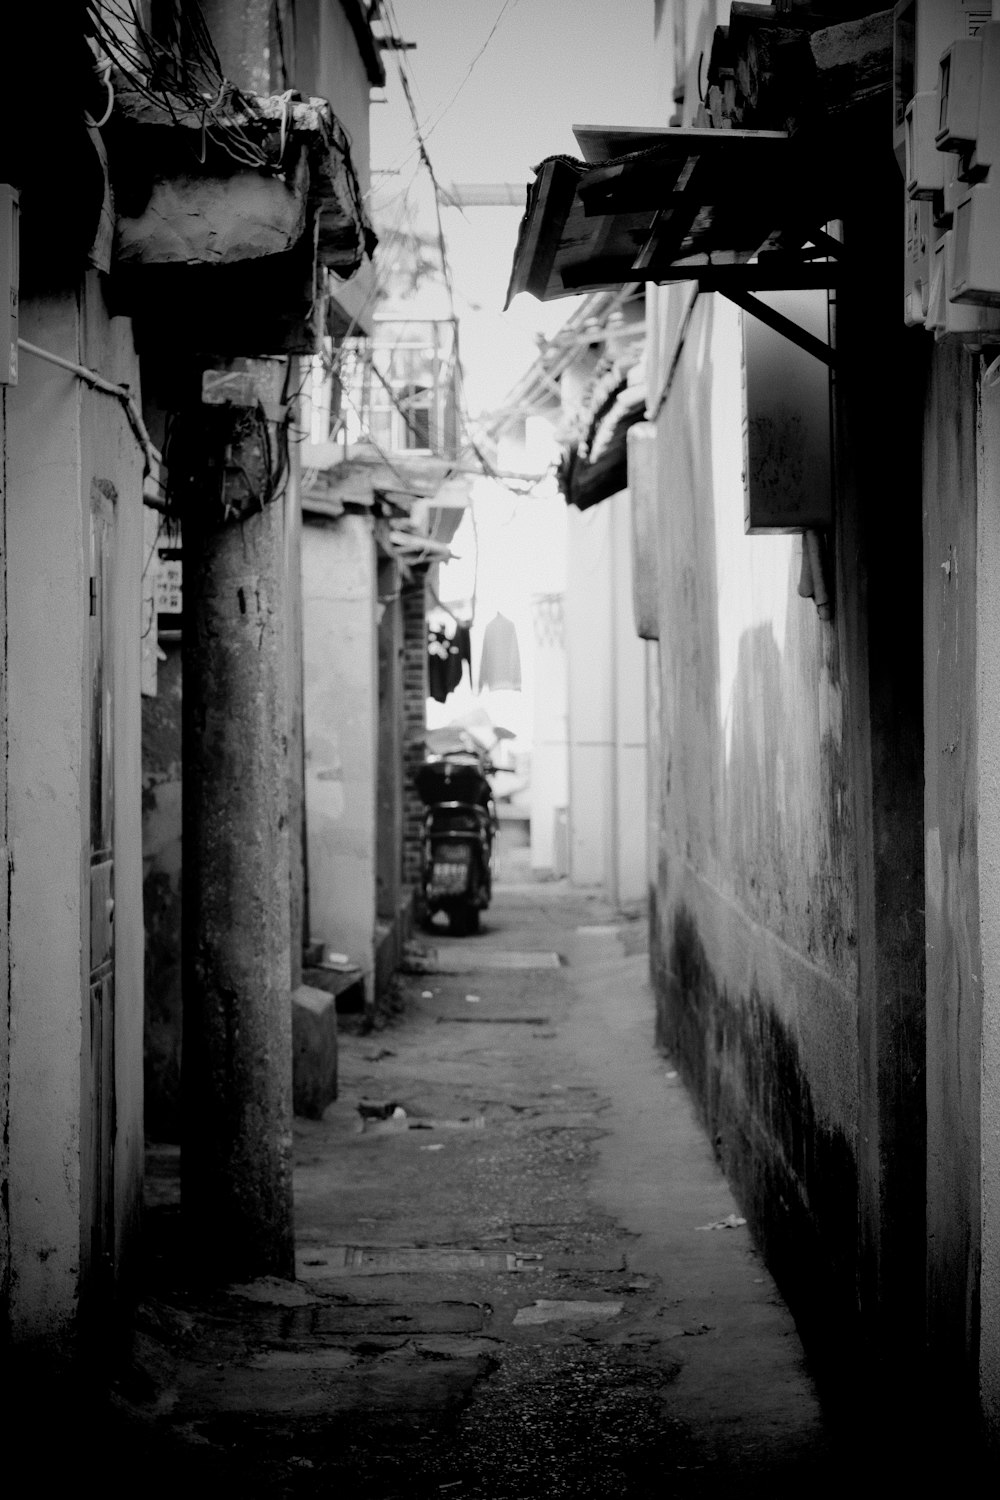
(788, 823)
(795, 1176)
(752, 858)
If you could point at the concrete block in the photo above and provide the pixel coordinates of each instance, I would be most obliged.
(347, 988)
(314, 1051)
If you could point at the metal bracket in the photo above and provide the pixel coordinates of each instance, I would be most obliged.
(787, 327)
(817, 263)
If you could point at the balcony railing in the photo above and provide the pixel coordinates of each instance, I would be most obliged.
(396, 390)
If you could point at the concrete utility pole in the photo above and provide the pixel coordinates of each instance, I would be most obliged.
(236, 1155)
(236, 1164)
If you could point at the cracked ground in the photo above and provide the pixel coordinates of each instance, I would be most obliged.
(519, 1271)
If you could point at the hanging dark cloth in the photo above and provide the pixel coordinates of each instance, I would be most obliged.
(500, 663)
(597, 466)
(463, 640)
(445, 655)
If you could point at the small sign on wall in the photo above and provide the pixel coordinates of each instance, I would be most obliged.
(787, 427)
(169, 582)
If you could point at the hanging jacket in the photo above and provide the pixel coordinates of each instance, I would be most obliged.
(500, 663)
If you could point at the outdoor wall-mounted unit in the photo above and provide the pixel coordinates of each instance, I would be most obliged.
(946, 84)
(972, 131)
(787, 438)
(922, 30)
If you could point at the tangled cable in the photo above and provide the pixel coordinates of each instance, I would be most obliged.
(179, 70)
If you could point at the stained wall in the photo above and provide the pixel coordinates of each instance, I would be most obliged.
(755, 911)
(340, 672)
(952, 786)
(988, 686)
(606, 705)
(62, 440)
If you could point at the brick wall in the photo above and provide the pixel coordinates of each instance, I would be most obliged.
(414, 720)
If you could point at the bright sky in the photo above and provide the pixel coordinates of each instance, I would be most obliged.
(550, 64)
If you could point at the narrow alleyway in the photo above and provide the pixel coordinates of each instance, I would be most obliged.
(529, 1280)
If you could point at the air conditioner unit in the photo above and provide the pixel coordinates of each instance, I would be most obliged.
(922, 30)
(951, 320)
(976, 222)
(976, 276)
(958, 95)
(925, 166)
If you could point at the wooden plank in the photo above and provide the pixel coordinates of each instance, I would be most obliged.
(604, 143)
(550, 199)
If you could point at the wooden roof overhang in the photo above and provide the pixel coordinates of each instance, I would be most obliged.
(737, 211)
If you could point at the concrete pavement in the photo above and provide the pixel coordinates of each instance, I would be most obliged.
(519, 1272)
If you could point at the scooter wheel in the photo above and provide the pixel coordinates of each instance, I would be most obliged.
(464, 921)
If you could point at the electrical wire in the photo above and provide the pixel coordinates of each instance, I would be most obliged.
(430, 127)
(180, 73)
(405, 482)
(432, 120)
(108, 388)
(446, 273)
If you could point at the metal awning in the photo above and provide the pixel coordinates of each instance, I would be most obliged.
(727, 208)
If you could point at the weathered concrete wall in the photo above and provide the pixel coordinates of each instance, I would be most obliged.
(879, 610)
(790, 872)
(161, 886)
(629, 855)
(988, 692)
(110, 455)
(389, 834)
(341, 733)
(606, 704)
(954, 991)
(549, 751)
(46, 659)
(590, 667)
(4, 885)
(755, 924)
(414, 603)
(339, 75)
(292, 508)
(62, 439)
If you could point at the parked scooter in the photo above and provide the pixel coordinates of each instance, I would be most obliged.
(460, 826)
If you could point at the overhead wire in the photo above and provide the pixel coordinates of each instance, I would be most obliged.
(446, 273)
(181, 73)
(405, 482)
(431, 122)
(334, 361)
(430, 127)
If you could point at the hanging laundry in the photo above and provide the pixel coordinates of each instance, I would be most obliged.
(500, 663)
(445, 655)
(463, 640)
